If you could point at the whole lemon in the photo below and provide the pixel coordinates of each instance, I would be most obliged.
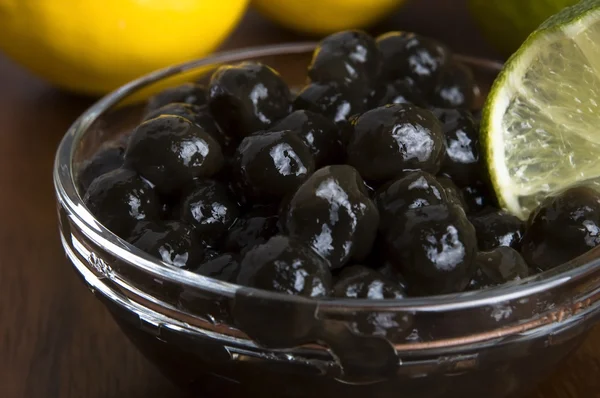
(94, 46)
(323, 17)
(507, 23)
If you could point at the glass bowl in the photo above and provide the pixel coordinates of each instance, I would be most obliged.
(216, 338)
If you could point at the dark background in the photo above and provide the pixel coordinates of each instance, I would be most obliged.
(56, 340)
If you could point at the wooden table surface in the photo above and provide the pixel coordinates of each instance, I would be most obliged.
(56, 340)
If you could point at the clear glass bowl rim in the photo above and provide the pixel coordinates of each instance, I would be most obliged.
(72, 202)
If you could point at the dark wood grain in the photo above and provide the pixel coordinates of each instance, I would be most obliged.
(56, 340)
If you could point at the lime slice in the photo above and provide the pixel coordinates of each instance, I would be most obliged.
(541, 122)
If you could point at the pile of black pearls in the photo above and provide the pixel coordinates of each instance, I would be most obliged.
(369, 183)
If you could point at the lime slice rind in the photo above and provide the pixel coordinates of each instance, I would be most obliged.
(540, 123)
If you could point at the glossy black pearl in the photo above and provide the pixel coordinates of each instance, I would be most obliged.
(210, 209)
(402, 91)
(562, 228)
(350, 58)
(389, 140)
(434, 248)
(173, 242)
(408, 55)
(197, 114)
(332, 212)
(497, 229)
(462, 162)
(286, 265)
(225, 267)
(456, 87)
(108, 158)
(251, 230)
(170, 151)
(453, 192)
(337, 103)
(269, 165)
(415, 189)
(247, 97)
(360, 282)
(373, 96)
(391, 273)
(188, 93)
(120, 199)
(500, 265)
(478, 196)
(210, 253)
(318, 133)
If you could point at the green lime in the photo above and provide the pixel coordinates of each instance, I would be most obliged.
(507, 23)
(540, 125)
